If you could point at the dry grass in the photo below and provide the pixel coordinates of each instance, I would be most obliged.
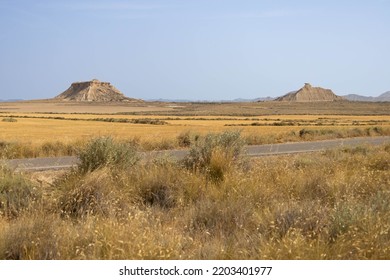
(329, 205)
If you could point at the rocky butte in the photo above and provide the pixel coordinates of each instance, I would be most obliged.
(310, 94)
(94, 91)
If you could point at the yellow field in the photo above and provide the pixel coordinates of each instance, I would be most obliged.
(39, 128)
(42, 130)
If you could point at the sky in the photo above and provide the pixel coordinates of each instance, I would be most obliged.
(194, 49)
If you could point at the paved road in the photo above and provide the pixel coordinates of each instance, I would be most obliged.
(35, 164)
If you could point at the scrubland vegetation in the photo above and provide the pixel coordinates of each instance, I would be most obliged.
(215, 204)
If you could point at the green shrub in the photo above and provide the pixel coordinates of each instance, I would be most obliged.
(104, 151)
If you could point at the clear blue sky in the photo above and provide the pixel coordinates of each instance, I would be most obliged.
(194, 49)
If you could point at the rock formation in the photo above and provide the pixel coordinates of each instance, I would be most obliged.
(93, 91)
(310, 94)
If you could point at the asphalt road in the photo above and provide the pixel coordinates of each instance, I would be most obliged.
(35, 164)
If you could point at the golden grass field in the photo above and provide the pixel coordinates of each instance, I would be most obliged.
(38, 123)
(37, 128)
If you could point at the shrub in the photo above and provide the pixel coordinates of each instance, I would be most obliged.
(160, 184)
(149, 121)
(10, 120)
(380, 161)
(215, 153)
(304, 132)
(91, 194)
(158, 193)
(219, 218)
(308, 217)
(30, 237)
(346, 215)
(103, 151)
(184, 139)
(16, 194)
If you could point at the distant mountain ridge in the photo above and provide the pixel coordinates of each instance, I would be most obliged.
(268, 98)
(384, 97)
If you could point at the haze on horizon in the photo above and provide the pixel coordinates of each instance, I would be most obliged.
(194, 49)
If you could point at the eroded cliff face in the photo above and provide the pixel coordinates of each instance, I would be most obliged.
(310, 94)
(93, 91)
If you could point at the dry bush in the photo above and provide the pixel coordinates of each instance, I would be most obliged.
(92, 194)
(163, 184)
(215, 154)
(17, 194)
(187, 138)
(184, 139)
(158, 186)
(30, 237)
